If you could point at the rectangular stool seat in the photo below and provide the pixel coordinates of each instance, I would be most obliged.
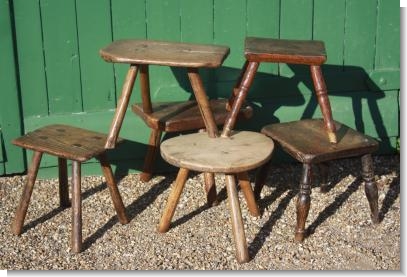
(310, 52)
(168, 53)
(64, 141)
(185, 115)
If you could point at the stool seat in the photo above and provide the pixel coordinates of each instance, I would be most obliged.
(168, 53)
(240, 152)
(64, 141)
(185, 115)
(306, 140)
(310, 52)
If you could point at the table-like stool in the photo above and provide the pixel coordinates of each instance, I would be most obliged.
(305, 140)
(169, 116)
(66, 143)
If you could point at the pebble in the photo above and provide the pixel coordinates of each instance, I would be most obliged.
(342, 238)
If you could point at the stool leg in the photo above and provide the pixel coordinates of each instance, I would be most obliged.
(242, 253)
(63, 183)
(260, 180)
(151, 155)
(323, 101)
(21, 211)
(114, 190)
(370, 187)
(303, 202)
(76, 239)
(210, 189)
(246, 187)
(173, 199)
(323, 169)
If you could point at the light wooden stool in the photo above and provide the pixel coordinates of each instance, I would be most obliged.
(234, 155)
(66, 143)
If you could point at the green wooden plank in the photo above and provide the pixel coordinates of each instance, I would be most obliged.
(360, 33)
(329, 26)
(9, 105)
(196, 21)
(128, 21)
(61, 55)
(97, 79)
(296, 22)
(164, 23)
(197, 27)
(388, 35)
(30, 57)
(264, 24)
(230, 29)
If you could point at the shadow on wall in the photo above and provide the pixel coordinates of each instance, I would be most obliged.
(279, 99)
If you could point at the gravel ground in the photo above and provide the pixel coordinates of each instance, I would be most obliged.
(342, 236)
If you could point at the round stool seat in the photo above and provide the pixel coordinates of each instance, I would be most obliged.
(242, 151)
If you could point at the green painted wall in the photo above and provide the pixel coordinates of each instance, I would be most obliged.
(51, 70)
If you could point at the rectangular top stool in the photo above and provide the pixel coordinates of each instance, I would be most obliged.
(66, 143)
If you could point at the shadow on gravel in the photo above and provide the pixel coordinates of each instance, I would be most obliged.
(132, 210)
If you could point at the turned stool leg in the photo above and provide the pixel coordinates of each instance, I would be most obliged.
(246, 187)
(370, 187)
(21, 212)
(151, 155)
(242, 253)
(173, 199)
(323, 100)
(210, 189)
(323, 169)
(114, 190)
(63, 183)
(76, 239)
(261, 176)
(303, 202)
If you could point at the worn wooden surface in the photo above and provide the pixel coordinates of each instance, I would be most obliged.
(185, 115)
(242, 151)
(64, 141)
(258, 49)
(168, 53)
(306, 140)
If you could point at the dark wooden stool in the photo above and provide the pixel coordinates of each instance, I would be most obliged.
(307, 52)
(309, 141)
(234, 155)
(305, 140)
(169, 116)
(67, 143)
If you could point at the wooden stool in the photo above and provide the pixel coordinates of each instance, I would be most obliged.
(305, 140)
(74, 144)
(308, 52)
(169, 116)
(237, 154)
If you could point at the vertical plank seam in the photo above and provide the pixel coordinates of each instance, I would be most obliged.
(113, 66)
(376, 35)
(79, 54)
(43, 56)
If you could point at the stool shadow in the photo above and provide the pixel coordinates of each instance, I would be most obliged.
(132, 210)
